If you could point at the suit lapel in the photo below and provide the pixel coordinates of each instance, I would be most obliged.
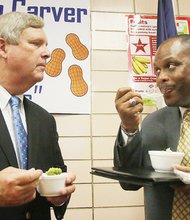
(172, 125)
(6, 144)
(32, 122)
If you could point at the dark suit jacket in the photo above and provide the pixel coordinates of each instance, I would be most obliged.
(159, 131)
(43, 153)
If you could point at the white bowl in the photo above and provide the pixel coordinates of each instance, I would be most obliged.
(163, 161)
(51, 185)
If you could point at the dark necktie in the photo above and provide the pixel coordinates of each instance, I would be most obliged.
(181, 201)
(21, 135)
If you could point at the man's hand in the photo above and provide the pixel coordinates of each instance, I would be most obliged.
(65, 193)
(182, 168)
(129, 114)
(18, 186)
(185, 187)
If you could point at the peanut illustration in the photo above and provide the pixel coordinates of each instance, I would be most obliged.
(80, 52)
(78, 86)
(54, 66)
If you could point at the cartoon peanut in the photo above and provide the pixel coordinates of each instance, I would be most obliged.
(78, 86)
(54, 66)
(80, 52)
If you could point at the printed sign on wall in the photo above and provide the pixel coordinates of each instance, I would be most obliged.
(66, 84)
(142, 35)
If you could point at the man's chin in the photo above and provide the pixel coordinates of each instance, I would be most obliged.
(169, 102)
(172, 103)
(39, 77)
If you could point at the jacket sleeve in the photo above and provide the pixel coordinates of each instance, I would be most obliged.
(60, 211)
(128, 156)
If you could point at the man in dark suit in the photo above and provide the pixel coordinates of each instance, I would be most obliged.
(159, 130)
(23, 55)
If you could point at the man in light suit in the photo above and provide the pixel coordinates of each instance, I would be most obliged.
(159, 130)
(23, 55)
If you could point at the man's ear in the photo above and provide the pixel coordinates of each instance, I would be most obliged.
(3, 51)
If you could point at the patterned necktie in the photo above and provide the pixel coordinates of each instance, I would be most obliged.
(21, 135)
(181, 201)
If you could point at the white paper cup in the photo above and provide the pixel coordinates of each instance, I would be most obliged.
(51, 185)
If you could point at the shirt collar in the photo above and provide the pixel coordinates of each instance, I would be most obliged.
(182, 110)
(5, 96)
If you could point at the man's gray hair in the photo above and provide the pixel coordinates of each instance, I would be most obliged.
(12, 24)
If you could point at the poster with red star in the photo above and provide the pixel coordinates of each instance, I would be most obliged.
(141, 39)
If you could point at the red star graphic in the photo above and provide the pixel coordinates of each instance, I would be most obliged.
(139, 46)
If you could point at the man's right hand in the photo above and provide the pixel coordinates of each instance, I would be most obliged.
(129, 114)
(18, 186)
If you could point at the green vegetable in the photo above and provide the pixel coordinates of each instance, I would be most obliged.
(149, 102)
(53, 171)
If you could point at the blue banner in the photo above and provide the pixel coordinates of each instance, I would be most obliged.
(166, 26)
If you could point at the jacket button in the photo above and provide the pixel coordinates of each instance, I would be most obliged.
(28, 215)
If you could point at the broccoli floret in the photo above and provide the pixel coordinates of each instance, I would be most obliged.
(53, 171)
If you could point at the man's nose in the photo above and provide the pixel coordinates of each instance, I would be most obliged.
(162, 76)
(46, 53)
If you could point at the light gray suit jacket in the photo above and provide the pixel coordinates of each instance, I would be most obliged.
(159, 131)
